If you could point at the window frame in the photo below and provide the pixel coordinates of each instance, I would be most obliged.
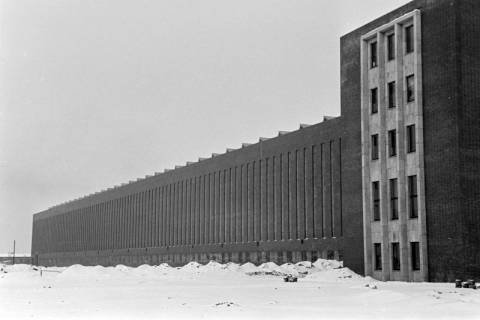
(411, 138)
(391, 46)
(396, 259)
(409, 39)
(377, 256)
(374, 100)
(415, 255)
(410, 88)
(392, 143)
(392, 94)
(376, 211)
(393, 188)
(412, 197)
(373, 50)
(374, 147)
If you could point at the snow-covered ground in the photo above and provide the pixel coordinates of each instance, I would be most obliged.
(324, 291)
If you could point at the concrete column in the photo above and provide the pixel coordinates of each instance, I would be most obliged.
(251, 201)
(327, 191)
(285, 194)
(300, 194)
(269, 193)
(256, 214)
(244, 201)
(228, 205)
(238, 204)
(263, 201)
(221, 211)
(309, 189)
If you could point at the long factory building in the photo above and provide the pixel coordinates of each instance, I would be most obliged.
(391, 187)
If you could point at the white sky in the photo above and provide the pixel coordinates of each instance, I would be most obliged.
(96, 93)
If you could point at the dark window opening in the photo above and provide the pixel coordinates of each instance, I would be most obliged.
(373, 55)
(377, 248)
(392, 143)
(330, 255)
(391, 47)
(289, 256)
(374, 100)
(415, 251)
(375, 147)
(394, 199)
(409, 44)
(395, 256)
(376, 200)
(392, 96)
(412, 197)
(410, 88)
(303, 254)
(411, 138)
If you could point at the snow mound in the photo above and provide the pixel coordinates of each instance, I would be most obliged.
(322, 264)
(191, 266)
(248, 267)
(213, 265)
(271, 268)
(122, 268)
(231, 266)
(164, 266)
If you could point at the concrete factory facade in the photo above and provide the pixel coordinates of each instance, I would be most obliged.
(391, 187)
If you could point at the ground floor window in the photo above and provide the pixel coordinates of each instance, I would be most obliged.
(377, 249)
(395, 256)
(415, 252)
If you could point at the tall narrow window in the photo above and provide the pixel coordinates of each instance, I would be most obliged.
(391, 47)
(375, 147)
(377, 248)
(415, 252)
(410, 88)
(392, 143)
(395, 256)
(409, 38)
(392, 96)
(411, 138)
(412, 197)
(376, 200)
(374, 100)
(373, 54)
(394, 199)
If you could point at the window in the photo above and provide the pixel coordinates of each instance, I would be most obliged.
(415, 251)
(373, 54)
(375, 147)
(377, 248)
(412, 197)
(409, 45)
(391, 47)
(392, 96)
(395, 256)
(392, 143)
(394, 199)
(374, 100)
(376, 200)
(410, 88)
(411, 138)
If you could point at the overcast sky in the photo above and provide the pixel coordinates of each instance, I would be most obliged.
(96, 93)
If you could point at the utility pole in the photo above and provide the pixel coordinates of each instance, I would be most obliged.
(13, 259)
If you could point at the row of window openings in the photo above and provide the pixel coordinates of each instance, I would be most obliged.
(395, 256)
(392, 142)
(391, 94)
(390, 43)
(393, 192)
